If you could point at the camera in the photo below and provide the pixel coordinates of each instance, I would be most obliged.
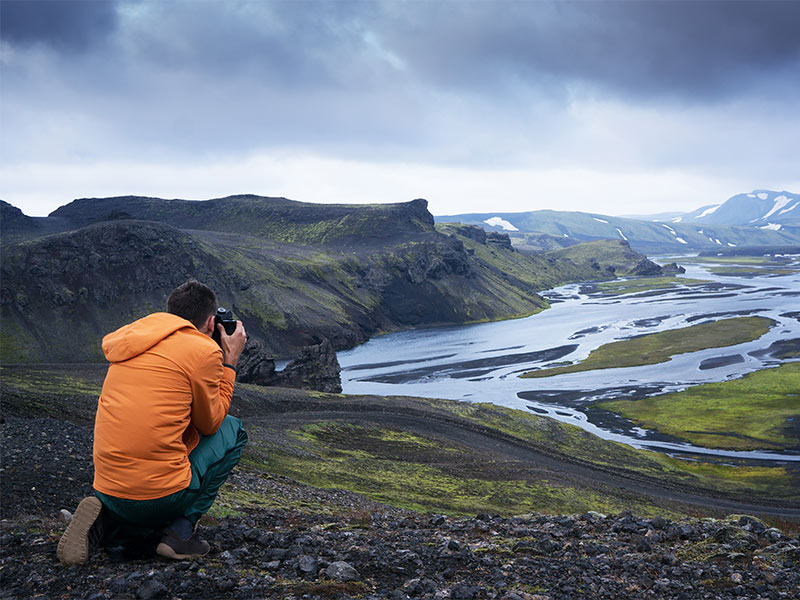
(225, 317)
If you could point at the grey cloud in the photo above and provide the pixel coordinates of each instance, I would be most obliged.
(433, 81)
(62, 25)
(632, 48)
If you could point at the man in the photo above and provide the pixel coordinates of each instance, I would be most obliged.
(163, 440)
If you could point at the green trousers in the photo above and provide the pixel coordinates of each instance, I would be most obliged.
(211, 461)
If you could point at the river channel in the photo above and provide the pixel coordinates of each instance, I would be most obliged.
(482, 362)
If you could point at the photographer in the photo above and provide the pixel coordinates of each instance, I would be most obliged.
(163, 440)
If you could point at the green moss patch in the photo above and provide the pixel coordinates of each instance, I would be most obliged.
(758, 411)
(659, 347)
(425, 474)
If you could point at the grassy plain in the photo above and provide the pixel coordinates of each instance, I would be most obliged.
(758, 411)
(658, 347)
(646, 284)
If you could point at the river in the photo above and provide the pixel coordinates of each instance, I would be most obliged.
(481, 363)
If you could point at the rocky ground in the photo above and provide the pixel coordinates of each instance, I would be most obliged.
(335, 544)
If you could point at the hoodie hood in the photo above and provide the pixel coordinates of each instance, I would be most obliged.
(139, 336)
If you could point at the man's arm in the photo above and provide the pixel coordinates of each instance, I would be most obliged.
(233, 344)
(212, 383)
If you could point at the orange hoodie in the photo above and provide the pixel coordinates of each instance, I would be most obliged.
(166, 382)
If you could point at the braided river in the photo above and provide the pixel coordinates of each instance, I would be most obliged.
(482, 362)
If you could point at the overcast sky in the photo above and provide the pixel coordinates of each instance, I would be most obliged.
(618, 108)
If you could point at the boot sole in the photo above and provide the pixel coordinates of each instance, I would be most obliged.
(73, 548)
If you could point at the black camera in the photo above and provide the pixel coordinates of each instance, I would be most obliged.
(225, 317)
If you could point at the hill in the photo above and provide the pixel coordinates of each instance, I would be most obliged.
(757, 219)
(295, 273)
(328, 479)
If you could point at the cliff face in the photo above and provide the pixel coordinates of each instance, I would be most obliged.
(301, 273)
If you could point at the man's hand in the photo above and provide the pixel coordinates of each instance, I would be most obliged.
(233, 344)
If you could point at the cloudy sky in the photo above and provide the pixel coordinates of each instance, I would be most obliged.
(613, 107)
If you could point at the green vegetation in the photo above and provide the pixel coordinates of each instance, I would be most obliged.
(408, 468)
(423, 474)
(733, 478)
(758, 411)
(659, 347)
(646, 284)
(734, 271)
(734, 260)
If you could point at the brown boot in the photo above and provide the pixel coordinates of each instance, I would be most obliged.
(172, 546)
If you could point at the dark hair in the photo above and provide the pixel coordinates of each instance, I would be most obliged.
(193, 301)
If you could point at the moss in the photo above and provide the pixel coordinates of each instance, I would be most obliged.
(767, 481)
(46, 382)
(658, 347)
(755, 412)
(423, 474)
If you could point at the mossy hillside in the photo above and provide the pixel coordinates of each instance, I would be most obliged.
(435, 462)
(58, 392)
(94, 280)
(538, 272)
(658, 347)
(766, 481)
(277, 219)
(613, 256)
(759, 411)
(559, 438)
(422, 474)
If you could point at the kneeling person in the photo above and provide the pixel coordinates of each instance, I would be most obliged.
(163, 440)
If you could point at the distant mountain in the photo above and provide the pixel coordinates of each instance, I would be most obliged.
(761, 208)
(760, 218)
(295, 273)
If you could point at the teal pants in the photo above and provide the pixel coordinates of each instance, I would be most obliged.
(211, 462)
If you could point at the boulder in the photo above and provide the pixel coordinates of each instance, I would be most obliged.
(342, 571)
(255, 365)
(316, 368)
(672, 269)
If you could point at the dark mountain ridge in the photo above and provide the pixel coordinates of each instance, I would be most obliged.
(273, 218)
(295, 273)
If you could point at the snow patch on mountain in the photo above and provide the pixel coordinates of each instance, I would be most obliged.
(771, 226)
(677, 219)
(498, 222)
(708, 211)
(763, 195)
(785, 210)
(622, 235)
(681, 240)
(600, 220)
(670, 228)
(780, 202)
